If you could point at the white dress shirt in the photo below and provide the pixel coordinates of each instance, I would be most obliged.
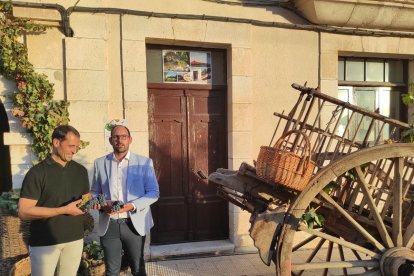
(119, 173)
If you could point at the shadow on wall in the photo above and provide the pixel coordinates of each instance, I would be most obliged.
(5, 166)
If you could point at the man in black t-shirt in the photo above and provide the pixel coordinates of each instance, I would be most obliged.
(50, 192)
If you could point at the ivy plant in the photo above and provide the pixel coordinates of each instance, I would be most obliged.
(33, 100)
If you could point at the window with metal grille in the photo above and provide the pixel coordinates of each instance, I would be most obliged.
(375, 84)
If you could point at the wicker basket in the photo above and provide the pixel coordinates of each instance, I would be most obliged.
(21, 268)
(283, 167)
(14, 234)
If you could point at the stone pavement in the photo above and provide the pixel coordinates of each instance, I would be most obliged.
(241, 264)
(238, 264)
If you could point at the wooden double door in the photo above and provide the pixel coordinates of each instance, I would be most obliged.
(187, 142)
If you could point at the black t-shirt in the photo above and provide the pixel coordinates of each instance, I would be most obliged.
(54, 186)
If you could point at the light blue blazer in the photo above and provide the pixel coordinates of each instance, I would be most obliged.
(142, 190)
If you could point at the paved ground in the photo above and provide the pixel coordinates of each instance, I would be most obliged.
(241, 264)
(248, 264)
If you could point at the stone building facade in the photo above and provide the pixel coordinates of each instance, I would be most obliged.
(98, 55)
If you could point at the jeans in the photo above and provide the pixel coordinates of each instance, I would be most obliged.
(122, 235)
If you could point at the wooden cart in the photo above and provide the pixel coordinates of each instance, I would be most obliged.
(362, 186)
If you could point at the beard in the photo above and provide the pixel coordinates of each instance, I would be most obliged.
(120, 148)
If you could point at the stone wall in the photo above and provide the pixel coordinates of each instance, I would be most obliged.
(101, 71)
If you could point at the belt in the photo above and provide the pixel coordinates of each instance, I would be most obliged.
(121, 220)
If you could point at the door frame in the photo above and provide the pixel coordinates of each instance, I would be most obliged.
(183, 87)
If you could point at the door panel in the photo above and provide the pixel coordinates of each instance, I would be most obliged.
(207, 150)
(168, 151)
(187, 135)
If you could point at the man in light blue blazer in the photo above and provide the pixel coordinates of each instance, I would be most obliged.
(123, 176)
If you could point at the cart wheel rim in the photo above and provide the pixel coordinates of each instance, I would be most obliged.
(324, 176)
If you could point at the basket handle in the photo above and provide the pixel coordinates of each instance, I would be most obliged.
(307, 144)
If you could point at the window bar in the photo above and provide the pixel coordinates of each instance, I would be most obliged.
(332, 134)
(346, 130)
(356, 131)
(370, 128)
(320, 147)
(378, 139)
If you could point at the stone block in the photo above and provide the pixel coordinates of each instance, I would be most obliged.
(55, 76)
(14, 123)
(134, 56)
(36, 13)
(242, 240)
(241, 89)
(88, 116)
(242, 117)
(329, 65)
(234, 163)
(135, 86)
(95, 149)
(86, 25)
(21, 154)
(241, 223)
(41, 47)
(405, 46)
(18, 173)
(6, 88)
(140, 28)
(240, 144)
(330, 87)
(87, 85)
(241, 60)
(233, 211)
(85, 54)
(238, 35)
(17, 138)
(137, 115)
(194, 29)
(330, 42)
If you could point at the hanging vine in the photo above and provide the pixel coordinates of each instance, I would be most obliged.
(33, 100)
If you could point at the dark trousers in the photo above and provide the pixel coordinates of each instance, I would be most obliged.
(122, 235)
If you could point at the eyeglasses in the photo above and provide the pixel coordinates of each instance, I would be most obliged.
(120, 137)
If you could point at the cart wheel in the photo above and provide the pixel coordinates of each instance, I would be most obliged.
(365, 199)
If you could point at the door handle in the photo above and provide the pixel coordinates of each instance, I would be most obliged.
(202, 174)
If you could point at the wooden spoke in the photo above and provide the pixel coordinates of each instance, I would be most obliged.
(314, 252)
(354, 223)
(409, 235)
(358, 257)
(397, 202)
(341, 254)
(336, 240)
(374, 211)
(347, 264)
(328, 257)
(299, 245)
(364, 216)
